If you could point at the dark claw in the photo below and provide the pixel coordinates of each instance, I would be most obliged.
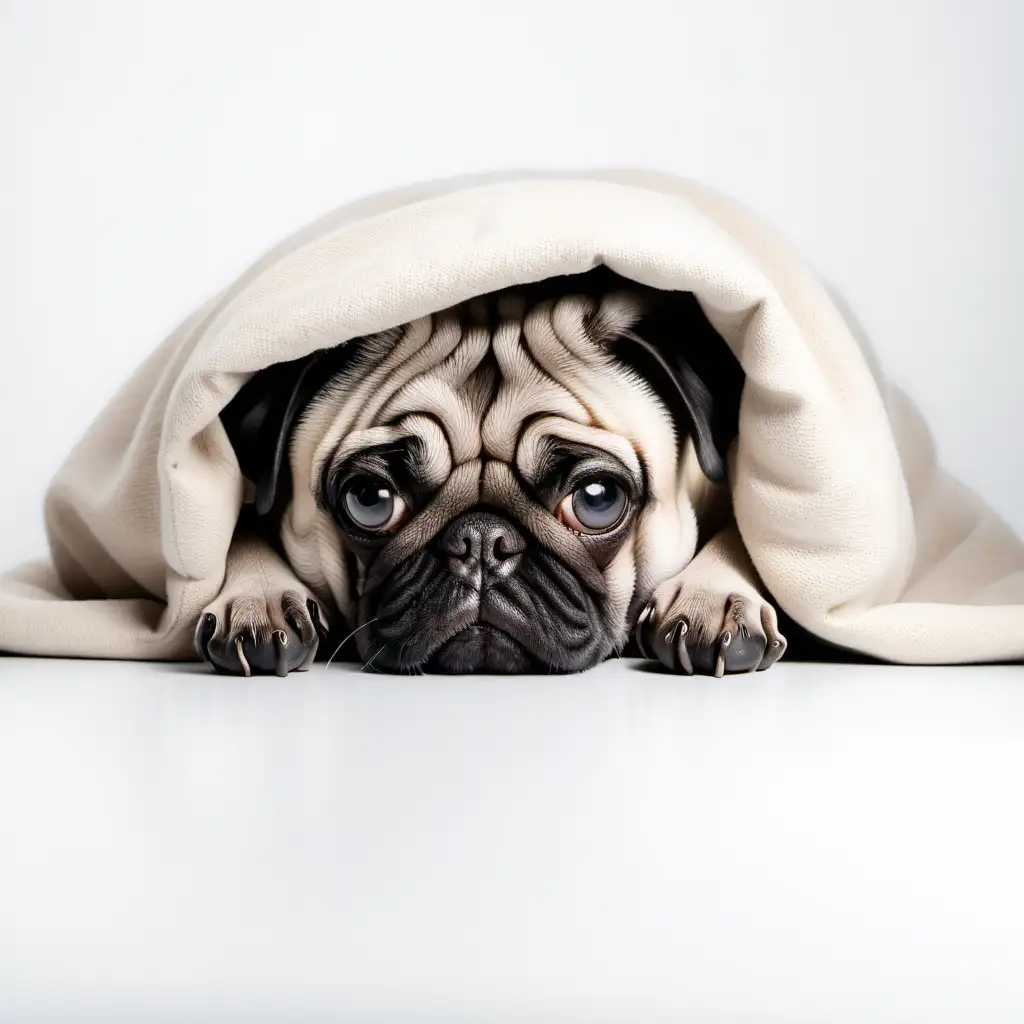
(206, 627)
(638, 631)
(314, 615)
(281, 645)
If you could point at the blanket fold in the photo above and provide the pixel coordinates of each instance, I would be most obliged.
(852, 525)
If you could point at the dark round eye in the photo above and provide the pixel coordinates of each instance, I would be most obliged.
(370, 503)
(595, 505)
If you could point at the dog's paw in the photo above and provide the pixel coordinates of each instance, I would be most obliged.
(693, 629)
(269, 633)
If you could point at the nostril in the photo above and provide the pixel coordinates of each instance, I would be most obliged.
(505, 546)
(458, 544)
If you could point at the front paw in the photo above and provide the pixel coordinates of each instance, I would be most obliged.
(260, 634)
(693, 629)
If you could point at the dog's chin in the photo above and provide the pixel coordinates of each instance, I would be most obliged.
(481, 648)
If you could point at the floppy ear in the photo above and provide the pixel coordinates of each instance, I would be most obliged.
(260, 418)
(677, 351)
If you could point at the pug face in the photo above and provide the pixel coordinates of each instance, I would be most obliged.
(496, 487)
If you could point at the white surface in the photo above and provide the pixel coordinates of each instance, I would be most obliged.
(129, 129)
(817, 843)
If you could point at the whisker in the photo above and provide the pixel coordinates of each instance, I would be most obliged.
(346, 640)
(369, 664)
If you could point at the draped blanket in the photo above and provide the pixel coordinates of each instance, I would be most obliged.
(856, 532)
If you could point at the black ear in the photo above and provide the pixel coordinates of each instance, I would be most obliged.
(677, 351)
(260, 418)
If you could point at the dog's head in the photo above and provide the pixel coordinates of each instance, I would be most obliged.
(498, 486)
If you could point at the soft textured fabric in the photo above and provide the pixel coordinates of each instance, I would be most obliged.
(854, 529)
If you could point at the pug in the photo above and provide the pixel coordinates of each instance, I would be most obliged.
(532, 481)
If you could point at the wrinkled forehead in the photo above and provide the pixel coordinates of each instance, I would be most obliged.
(498, 379)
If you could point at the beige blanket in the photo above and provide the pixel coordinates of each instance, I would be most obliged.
(854, 529)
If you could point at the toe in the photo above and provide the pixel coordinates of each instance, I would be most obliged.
(684, 662)
(660, 640)
(775, 650)
(223, 651)
(744, 651)
(275, 651)
(776, 642)
(664, 641)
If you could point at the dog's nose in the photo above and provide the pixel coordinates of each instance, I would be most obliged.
(482, 539)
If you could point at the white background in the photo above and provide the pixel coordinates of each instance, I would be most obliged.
(150, 151)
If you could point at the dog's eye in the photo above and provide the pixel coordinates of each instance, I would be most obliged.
(595, 506)
(371, 505)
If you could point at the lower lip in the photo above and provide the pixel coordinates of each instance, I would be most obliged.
(480, 648)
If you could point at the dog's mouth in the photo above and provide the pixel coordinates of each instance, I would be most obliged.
(479, 608)
(487, 633)
(481, 648)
